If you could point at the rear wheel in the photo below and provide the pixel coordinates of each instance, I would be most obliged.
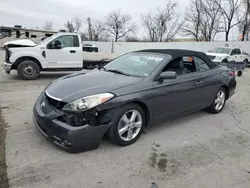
(219, 102)
(127, 125)
(239, 73)
(28, 70)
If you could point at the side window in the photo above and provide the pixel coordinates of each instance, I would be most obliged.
(175, 65)
(233, 52)
(189, 64)
(186, 65)
(64, 42)
(238, 52)
(201, 65)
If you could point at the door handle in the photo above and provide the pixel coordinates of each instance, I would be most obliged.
(72, 51)
(199, 82)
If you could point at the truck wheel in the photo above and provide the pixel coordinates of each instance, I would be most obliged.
(224, 61)
(239, 73)
(28, 70)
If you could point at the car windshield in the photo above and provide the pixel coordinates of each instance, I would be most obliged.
(221, 50)
(135, 64)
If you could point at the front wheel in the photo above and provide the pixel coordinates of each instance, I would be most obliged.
(219, 102)
(127, 125)
(28, 70)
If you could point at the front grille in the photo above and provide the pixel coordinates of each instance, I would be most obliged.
(57, 104)
(7, 55)
(211, 57)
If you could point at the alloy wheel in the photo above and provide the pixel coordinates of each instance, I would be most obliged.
(130, 125)
(220, 100)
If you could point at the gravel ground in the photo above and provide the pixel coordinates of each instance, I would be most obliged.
(198, 150)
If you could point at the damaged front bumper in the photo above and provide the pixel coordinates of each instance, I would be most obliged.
(71, 138)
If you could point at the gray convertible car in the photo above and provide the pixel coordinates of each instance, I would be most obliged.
(130, 93)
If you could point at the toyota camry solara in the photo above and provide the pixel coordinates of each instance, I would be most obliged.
(129, 94)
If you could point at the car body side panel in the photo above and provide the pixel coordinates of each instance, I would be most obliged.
(211, 82)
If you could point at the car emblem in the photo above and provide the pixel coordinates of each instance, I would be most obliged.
(43, 104)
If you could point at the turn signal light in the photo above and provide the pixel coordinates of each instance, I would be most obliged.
(231, 73)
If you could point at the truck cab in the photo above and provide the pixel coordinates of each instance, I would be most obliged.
(60, 52)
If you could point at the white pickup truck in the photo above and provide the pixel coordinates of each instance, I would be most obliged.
(60, 52)
(227, 54)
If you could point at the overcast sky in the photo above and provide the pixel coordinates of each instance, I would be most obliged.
(33, 13)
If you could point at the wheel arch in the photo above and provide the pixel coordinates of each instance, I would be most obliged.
(144, 108)
(21, 59)
(227, 90)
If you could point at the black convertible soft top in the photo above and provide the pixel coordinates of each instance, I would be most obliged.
(176, 53)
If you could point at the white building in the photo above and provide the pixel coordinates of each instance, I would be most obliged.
(17, 32)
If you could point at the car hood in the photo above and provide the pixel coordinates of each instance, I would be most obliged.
(81, 84)
(217, 54)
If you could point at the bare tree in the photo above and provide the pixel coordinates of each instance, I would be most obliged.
(78, 24)
(73, 25)
(132, 39)
(164, 24)
(203, 19)
(193, 20)
(118, 26)
(96, 30)
(244, 20)
(70, 26)
(229, 9)
(149, 25)
(48, 25)
(90, 30)
(211, 18)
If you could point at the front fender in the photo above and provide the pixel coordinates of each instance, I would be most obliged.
(16, 54)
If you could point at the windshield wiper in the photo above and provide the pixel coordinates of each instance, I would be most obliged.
(117, 71)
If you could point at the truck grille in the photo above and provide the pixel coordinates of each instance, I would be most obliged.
(57, 104)
(7, 55)
(211, 57)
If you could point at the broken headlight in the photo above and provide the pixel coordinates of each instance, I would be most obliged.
(88, 102)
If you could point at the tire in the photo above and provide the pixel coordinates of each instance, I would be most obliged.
(224, 61)
(214, 109)
(123, 139)
(239, 73)
(28, 70)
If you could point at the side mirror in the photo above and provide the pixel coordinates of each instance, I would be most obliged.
(168, 75)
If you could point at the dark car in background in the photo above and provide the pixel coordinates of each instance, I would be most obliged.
(129, 94)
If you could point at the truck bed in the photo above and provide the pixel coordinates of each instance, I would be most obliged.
(96, 56)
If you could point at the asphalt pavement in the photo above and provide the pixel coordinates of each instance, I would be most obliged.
(199, 150)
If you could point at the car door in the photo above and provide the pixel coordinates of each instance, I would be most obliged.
(210, 82)
(177, 96)
(235, 55)
(239, 55)
(64, 52)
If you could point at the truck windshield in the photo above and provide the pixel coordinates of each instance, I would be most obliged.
(45, 40)
(135, 64)
(221, 50)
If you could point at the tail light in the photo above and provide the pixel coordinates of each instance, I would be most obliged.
(231, 73)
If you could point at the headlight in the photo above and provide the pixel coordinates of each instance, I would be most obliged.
(88, 102)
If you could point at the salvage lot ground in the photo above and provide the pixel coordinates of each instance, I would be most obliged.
(198, 150)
